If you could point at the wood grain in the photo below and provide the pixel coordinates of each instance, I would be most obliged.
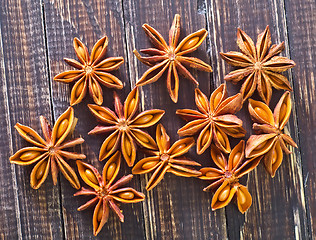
(25, 213)
(301, 18)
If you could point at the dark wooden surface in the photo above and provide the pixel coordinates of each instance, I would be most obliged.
(35, 36)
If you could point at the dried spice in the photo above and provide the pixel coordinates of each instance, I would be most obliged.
(167, 159)
(125, 126)
(49, 152)
(271, 139)
(92, 71)
(107, 193)
(214, 120)
(225, 178)
(164, 57)
(259, 65)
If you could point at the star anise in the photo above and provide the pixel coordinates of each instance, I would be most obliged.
(214, 121)
(259, 65)
(271, 139)
(167, 159)
(164, 57)
(125, 125)
(225, 178)
(92, 70)
(49, 152)
(107, 193)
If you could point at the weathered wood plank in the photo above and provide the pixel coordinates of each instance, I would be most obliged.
(25, 213)
(89, 21)
(278, 210)
(176, 208)
(301, 24)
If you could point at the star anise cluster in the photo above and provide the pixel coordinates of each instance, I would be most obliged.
(214, 120)
(258, 65)
(171, 57)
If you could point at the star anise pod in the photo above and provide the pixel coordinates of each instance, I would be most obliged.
(271, 139)
(164, 57)
(49, 152)
(92, 71)
(214, 121)
(167, 159)
(225, 178)
(259, 65)
(125, 125)
(107, 193)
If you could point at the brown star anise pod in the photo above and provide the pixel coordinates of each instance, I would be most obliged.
(214, 121)
(271, 140)
(92, 70)
(167, 159)
(225, 178)
(107, 193)
(259, 65)
(171, 57)
(49, 152)
(125, 125)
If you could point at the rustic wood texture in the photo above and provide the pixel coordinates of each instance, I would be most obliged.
(35, 36)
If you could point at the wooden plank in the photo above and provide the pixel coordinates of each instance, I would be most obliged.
(25, 213)
(301, 19)
(89, 21)
(278, 210)
(176, 208)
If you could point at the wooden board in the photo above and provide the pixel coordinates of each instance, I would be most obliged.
(35, 36)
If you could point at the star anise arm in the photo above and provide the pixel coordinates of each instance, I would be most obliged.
(183, 171)
(146, 165)
(100, 216)
(264, 88)
(263, 43)
(246, 44)
(109, 64)
(30, 135)
(258, 145)
(247, 166)
(147, 118)
(191, 42)
(103, 114)
(201, 101)
(218, 158)
(117, 210)
(111, 169)
(74, 63)
(71, 143)
(121, 182)
(143, 138)
(249, 85)
(174, 32)
(244, 199)
(40, 172)
(157, 176)
(95, 90)
(110, 145)
(89, 175)
(128, 148)
(278, 64)
(88, 204)
(236, 156)
(184, 72)
(221, 139)
(107, 79)
(278, 81)
(283, 110)
(274, 50)
(237, 59)
(68, 172)
(231, 125)
(183, 161)
(230, 105)
(98, 51)
(69, 76)
(208, 173)
(189, 114)
(192, 127)
(288, 140)
(127, 195)
(195, 63)
(223, 196)
(85, 192)
(205, 139)
(71, 155)
(162, 139)
(155, 37)
(181, 147)
(273, 159)
(173, 82)
(63, 126)
(46, 128)
(153, 73)
(260, 112)
(79, 90)
(28, 155)
(239, 74)
(81, 51)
